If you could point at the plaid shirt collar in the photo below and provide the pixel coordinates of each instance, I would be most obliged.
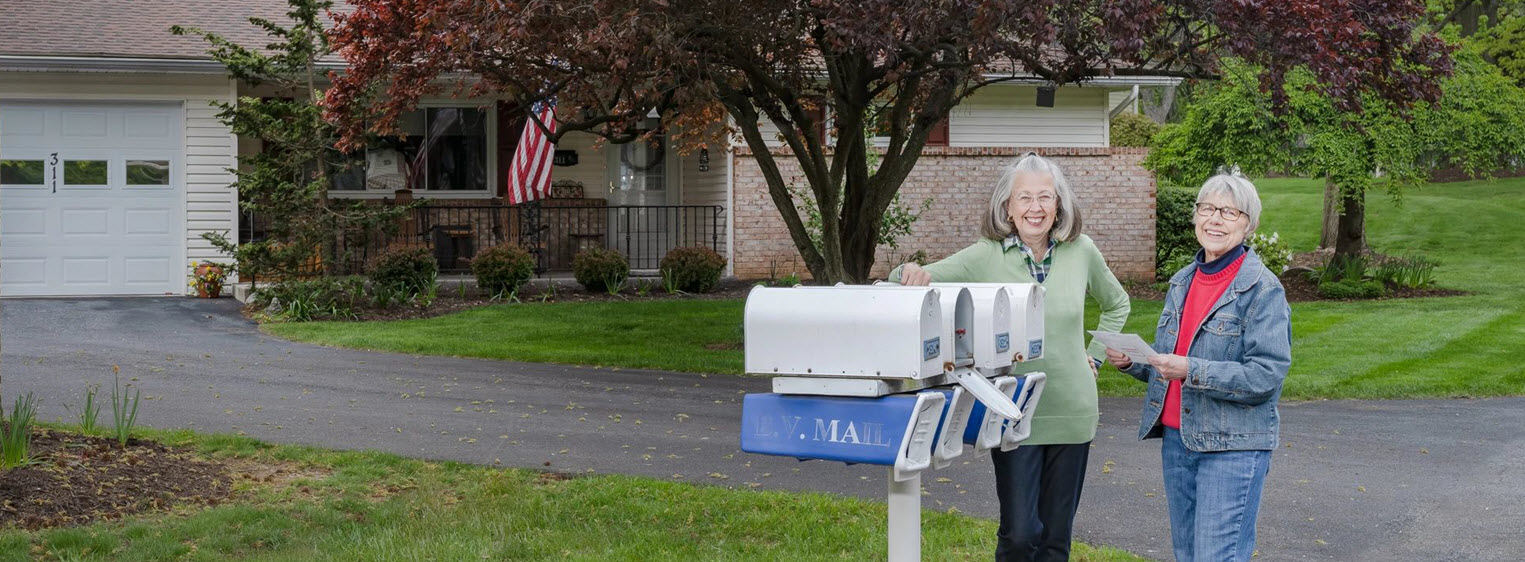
(1038, 269)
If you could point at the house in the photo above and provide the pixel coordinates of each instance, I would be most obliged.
(113, 165)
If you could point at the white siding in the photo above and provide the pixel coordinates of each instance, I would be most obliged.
(1009, 116)
(209, 145)
(592, 164)
(708, 188)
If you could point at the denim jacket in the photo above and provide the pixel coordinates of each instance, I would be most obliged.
(1238, 360)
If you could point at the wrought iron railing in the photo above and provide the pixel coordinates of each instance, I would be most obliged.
(554, 232)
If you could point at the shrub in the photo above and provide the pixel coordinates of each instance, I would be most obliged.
(1133, 129)
(1342, 268)
(692, 270)
(1273, 252)
(1412, 272)
(599, 269)
(1352, 289)
(410, 270)
(502, 269)
(1173, 230)
(1174, 264)
(301, 301)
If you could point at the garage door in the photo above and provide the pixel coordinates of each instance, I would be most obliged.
(90, 199)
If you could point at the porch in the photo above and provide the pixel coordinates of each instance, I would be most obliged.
(554, 231)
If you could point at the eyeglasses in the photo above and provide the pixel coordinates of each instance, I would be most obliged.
(1228, 213)
(1025, 200)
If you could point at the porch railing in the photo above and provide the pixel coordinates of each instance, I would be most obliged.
(553, 232)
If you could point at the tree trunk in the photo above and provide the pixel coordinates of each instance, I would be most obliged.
(1351, 237)
(1331, 223)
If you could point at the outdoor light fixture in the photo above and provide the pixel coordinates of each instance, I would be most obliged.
(1045, 96)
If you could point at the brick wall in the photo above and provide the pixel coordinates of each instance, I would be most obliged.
(1116, 195)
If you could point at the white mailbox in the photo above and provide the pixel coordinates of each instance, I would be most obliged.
(1026, 316)
(1029, 389)
(845, 331)
(992, 320)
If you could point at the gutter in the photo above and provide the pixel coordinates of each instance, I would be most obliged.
(34, 63)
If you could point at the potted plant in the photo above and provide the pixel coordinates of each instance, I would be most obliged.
(207, 278)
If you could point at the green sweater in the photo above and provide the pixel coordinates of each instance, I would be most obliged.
(1067, 412)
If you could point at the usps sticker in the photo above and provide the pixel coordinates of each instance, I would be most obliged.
(1035, 348)
(1002, 342)
(930, 349)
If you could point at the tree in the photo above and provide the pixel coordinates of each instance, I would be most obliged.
(890, 64)
(1478, 125)
(1495, 27)
(286, 183)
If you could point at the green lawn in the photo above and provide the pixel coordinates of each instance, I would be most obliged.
(1438, 347)
(380, 507)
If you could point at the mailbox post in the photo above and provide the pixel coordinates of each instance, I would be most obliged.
(901, 377)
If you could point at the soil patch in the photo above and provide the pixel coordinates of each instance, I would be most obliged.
(450, 300)
(1300, 288)
(77, 479)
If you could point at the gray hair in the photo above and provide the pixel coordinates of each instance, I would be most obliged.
(1230, 182)
(997, 224)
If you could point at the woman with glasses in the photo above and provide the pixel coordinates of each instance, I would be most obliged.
(1031, 234)
(1224, 343)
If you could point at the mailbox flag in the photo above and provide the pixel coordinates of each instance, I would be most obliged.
(529, 177)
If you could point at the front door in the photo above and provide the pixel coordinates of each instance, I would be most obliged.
(643, 188)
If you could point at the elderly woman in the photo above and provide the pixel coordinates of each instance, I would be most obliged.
(1031, 234)
(1224, 343)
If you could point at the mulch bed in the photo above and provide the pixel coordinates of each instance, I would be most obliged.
(77, 479)
(1299, 287)
(449, 300)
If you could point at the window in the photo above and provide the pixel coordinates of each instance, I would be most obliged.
(22, 172)
(85, 172)
(147, 172)
(441, 149)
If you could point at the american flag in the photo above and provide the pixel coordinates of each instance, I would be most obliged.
(529, 177)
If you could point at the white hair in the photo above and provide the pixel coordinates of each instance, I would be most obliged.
(1238, 188)
(997, 224)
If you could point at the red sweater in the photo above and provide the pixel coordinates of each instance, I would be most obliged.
(1201, 295)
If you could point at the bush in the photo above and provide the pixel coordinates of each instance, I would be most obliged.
(1174, 264)
(1175, 235)
(1273, 252)
(301, 301)
(1352, 289)
(691, 270)
(411, 271)
(1411, 272)
(1133, 129)
(599, 269)
(502, 269)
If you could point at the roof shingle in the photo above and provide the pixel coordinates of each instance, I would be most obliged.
(129, 28)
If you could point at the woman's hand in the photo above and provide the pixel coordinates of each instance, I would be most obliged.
(913, 275)
(1118, 359)
(1170, 366)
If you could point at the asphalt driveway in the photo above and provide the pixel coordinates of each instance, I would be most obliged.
(1402, 480)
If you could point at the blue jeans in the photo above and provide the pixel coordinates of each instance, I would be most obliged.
(1214, 499)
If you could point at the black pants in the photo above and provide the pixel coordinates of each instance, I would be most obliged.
(1039, 489)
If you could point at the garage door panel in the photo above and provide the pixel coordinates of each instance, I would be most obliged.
(81, 125)
(149, 222)
(16, 223)
(24, 272)
(96, 227)
(73, 222)
(86, 271)
(21, 123)
(150, 271)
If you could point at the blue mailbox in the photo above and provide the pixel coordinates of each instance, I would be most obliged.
(896, 430)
